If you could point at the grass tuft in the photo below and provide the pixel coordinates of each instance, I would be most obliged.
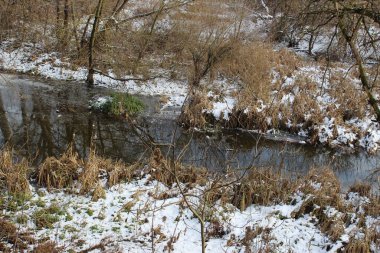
(59, 173)
(14, 175)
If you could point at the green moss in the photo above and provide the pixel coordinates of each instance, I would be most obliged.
(90, 212)
(116, 229)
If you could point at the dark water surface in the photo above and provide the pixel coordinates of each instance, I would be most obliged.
(40, 117)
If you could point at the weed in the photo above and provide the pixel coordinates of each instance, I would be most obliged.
(90, 212)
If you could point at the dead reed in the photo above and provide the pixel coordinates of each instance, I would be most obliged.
(14, 175)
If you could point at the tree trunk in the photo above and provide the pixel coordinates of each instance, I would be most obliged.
(363, 75)
(91, 71)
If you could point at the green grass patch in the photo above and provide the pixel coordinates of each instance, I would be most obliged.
(22, 219)
(119, 104)
(45, 218)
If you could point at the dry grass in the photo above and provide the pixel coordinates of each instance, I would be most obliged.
(263, 187)
(363, 188)
(166, 171)
(120, 172)
(99, 193)
(14, 175)
(47, 247)
(324, 190)
(193, 112)
(89, 178)
(9, 234)
(59, 173)
(96, 167)
(357, 246)
(63, 172)
(363, 245)
(254, 65)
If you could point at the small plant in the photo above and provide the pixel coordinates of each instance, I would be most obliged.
(45, 218)
(118, 104)
(90, 212)
(22, 219)
(40, 203)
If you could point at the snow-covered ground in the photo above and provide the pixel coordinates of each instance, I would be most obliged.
(145, 215)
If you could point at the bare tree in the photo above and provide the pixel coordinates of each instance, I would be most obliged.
(349, 24)
(91, 71)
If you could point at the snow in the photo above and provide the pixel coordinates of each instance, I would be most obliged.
(130, 211)
(223, 108)
(50, 66)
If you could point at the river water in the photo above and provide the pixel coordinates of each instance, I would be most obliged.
(40, 118)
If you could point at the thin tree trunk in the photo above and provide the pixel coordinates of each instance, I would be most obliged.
(363, 75)
(65, 36)
(91, 71)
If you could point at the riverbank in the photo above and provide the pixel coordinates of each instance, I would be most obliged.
(110, 206)
(307, 103)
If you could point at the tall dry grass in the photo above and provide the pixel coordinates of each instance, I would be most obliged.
(14, 175)
(59, 173)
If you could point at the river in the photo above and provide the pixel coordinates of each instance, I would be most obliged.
(40, 117)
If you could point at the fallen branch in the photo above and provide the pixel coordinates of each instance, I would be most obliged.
(126, 79)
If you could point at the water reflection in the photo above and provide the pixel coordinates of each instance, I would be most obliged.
(42, 119)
